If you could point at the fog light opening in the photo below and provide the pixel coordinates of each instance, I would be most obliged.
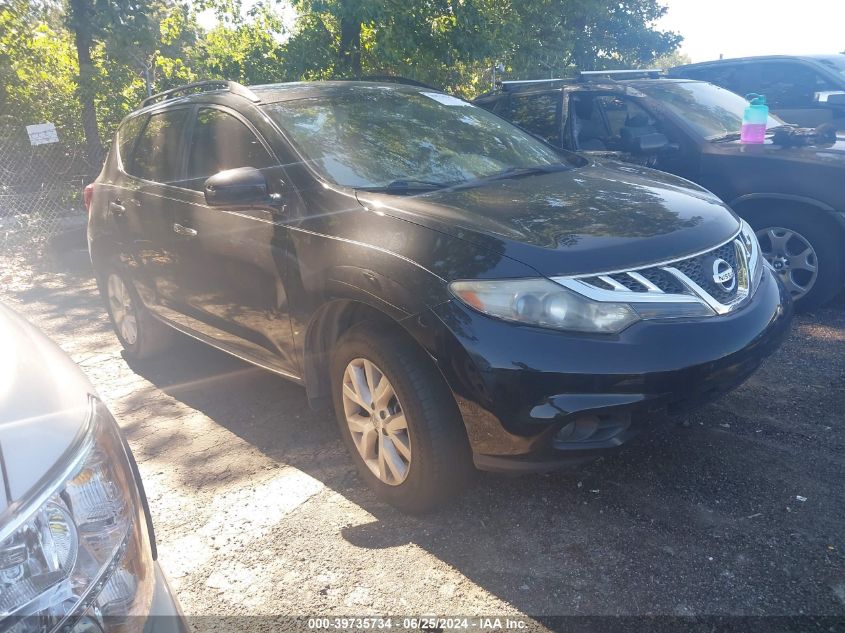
(579, 429)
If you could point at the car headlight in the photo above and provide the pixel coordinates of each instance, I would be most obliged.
(752, 247)
(543, 303)
(77, 551)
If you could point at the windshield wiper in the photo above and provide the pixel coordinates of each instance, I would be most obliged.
(519, 172)
(730, 136)
(408, 185)
(733, 136)
(514, 172)
(401, 185)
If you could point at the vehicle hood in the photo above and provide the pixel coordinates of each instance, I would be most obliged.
(601, 217)
(44, 403)
(829, 154)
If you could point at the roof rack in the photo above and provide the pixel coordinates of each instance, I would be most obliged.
(510, 85)
(396, 79)
(651, 73)
(211, 84)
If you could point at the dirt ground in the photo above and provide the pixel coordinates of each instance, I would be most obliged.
(736, 509)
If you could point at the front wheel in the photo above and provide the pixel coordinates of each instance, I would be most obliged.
(398, 420)
(805, 253)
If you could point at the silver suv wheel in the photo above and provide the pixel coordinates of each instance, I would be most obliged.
(792, 256)
(376, 421)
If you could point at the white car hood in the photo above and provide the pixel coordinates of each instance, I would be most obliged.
(44, 403)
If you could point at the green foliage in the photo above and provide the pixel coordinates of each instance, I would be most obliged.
(668, 60)
(451, 44)
(37, 70)
(247, 51)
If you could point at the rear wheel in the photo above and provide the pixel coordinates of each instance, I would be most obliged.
(806, 253)
(398, 420)
(140, 334)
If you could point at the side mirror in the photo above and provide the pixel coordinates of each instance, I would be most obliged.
(652, 143)
(241, 187)
(837, 98)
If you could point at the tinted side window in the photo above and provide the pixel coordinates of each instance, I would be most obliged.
(221, 141)
(622, 114)
(126, 137)
(539, 114)
(727, 76)
(786, 84)
(158, 154)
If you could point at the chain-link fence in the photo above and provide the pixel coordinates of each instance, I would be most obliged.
(40, 189)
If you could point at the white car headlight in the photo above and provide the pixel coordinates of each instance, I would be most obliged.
(78, 550)
(543, 303)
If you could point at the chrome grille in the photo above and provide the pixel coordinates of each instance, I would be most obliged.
(685, 280)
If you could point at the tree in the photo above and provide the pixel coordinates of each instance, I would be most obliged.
(670, 60)
(453, 43)
(245, 50)
(123, 37)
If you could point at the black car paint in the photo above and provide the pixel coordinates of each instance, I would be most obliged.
(276, 284)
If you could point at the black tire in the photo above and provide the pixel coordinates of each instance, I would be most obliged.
(441, 461)
(826, 239)
(152, 336)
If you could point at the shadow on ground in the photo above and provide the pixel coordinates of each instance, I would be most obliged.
(738, 508)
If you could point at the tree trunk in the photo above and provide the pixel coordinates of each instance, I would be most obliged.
(349, 52)
(79, 22)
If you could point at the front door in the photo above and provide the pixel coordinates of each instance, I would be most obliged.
(609, 125)
(232, 260)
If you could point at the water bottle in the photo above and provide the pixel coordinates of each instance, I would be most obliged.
(754, 119)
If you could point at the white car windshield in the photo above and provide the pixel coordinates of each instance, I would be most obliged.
(375, 136)
(711, 111)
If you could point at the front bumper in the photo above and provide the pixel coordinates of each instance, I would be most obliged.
(534, 399)
(165, 614)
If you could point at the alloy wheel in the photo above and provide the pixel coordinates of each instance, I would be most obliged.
(376, 421)
(792, 256)
(123, 309)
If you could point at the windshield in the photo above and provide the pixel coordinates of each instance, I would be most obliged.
(837, 62)
(711, 111)
(377, 136)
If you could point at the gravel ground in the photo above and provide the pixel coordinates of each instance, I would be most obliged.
(737, 509)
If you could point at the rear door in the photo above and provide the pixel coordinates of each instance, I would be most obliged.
(232, 260)
(609, 124)
(538, 113)
(147, 202)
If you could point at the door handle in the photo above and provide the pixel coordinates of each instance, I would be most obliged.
(184, 230)
(116, 208)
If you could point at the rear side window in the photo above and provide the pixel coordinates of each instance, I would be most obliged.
(220, 141)
(127, 135)
(158, 153)
(539, 114)
(728, 76)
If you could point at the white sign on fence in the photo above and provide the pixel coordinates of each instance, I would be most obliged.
(42, 133)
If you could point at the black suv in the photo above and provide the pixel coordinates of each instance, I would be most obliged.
(806, 90)
(789, 189)
(459, 291)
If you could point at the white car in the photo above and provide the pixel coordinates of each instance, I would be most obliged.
(77, 551)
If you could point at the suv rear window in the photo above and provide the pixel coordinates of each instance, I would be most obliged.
(158, 154)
